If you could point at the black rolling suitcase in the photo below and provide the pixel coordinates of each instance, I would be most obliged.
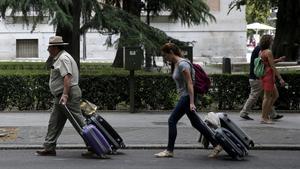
(113, 138)
(236, 130)
(231, 144)
(225, 138)
(208, 133)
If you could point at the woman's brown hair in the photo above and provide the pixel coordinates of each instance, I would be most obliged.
(265, 42)
(168, 47)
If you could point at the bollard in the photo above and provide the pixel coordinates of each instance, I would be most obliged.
(226, 66)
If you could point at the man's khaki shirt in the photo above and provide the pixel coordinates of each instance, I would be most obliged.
(63, 64)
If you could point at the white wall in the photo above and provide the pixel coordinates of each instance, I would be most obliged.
(95, 48)
(9, 33)
(224, 38)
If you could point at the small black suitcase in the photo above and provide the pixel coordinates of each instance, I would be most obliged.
(113, 138)
(231, 144)
(236, 130)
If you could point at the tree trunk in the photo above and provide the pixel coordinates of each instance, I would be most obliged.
(133, 7)
(67, 36)
(118, 62)
(72, 35)
(287, 37)
(76, 31)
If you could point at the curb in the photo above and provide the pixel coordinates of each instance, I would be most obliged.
(290, 147)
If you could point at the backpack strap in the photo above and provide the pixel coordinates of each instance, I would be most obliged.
(192, 67)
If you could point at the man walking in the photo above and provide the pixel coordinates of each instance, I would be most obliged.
(64, 87)
(256, 89)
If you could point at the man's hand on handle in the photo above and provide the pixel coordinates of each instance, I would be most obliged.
(63, 100)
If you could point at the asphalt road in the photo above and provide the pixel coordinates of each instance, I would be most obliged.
(144, 159)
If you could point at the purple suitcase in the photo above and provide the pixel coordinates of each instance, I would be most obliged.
(96, 140)
(91, 135)
(113, 138)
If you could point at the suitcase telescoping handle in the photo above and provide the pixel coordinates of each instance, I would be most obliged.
(72, 119)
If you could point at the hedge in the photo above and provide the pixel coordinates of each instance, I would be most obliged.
(30, 91)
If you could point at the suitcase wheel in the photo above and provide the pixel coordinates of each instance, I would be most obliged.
(239, 158)
(122, 145)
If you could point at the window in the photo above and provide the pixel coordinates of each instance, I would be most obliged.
(27, 48)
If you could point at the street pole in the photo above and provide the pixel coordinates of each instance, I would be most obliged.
(131, 90)
(84, 46)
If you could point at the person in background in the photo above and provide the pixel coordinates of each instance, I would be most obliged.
(183, 76)
(257, 89)
(268, 80)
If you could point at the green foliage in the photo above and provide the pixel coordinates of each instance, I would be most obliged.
(256, 10)
(186, 11)
(253, 14)
(37, 10)
(31, 92)
(16, 90)
(189, 11)
(257, 3)
(24, 86)
(15, 66)
(42, 97)
(105, 91)
(159, 89)
(4, 92)
(33, 68)
(108, 91)
(229, 91)
(108, 88)
(289, 96)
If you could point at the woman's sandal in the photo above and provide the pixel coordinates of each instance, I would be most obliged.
(266, 122)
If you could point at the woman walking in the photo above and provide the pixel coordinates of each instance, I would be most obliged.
(268, 80)
(183, 76)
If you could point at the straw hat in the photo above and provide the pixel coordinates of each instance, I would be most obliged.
(56, 41)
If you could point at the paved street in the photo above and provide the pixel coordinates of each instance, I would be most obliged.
(277, 146)
(148, 130)
(144, 159)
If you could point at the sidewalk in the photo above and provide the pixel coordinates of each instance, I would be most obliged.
(148, 130)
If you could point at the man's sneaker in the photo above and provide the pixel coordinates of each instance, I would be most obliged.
(165, 153)
(246, 117)
(216, 151)
(277, 117)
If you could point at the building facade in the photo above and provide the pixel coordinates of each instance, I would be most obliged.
(224, 38)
